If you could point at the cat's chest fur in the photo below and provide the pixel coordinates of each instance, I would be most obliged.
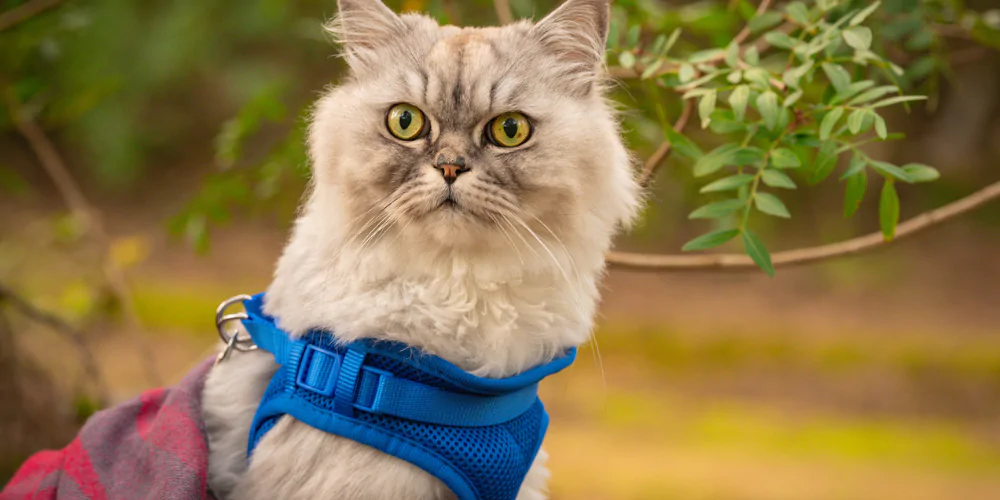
(491, 327)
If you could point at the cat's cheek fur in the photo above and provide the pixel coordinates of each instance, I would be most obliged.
(493, 299)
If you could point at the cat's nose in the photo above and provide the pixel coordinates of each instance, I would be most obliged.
(450, 167)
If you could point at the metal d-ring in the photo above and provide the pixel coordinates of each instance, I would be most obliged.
(232, 340)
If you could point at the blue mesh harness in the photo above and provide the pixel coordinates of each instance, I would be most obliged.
(478, 436)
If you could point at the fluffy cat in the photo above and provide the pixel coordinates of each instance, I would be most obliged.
(451, 239)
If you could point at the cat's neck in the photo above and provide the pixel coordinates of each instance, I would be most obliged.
(492, 314)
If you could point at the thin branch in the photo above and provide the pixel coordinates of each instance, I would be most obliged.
(73, 196)
(743, 35)
(87, 360)
(663, 152)
(24, 12)
(761, 44)
(740, 262)
(504, 14)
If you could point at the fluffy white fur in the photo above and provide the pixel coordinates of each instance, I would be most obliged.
(500, 282)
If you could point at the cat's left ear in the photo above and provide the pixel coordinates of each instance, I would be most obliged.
(576, 33)
(362, 26)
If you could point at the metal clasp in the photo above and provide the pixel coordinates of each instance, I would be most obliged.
(232, 339)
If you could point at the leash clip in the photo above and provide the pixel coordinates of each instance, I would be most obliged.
(232, 338)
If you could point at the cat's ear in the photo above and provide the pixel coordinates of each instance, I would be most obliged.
(576, 33)
(362, 26)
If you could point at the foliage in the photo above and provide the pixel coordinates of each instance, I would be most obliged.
(782, 102)
(786, 94)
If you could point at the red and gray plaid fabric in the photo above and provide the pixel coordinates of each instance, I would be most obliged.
(152, 447)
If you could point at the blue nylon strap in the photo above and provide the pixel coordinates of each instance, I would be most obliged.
(423, 403)
(343, 376)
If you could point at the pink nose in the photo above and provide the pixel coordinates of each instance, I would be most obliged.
(450, 171)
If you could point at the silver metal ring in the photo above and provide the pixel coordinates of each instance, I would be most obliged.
(221, 318)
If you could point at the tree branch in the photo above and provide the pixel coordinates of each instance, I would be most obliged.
(740, 262)
(745, 33)
(24, 12)
(87, 215)
(87, 359)
(663, 152)
(504, 14)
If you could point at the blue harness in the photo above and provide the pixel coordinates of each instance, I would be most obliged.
(478, 436)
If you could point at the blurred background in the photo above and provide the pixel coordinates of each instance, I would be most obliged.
(151, 163)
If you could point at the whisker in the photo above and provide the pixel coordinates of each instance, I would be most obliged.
(507, 235)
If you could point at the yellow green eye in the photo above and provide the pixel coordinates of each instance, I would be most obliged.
(405, 122)
(509, 130)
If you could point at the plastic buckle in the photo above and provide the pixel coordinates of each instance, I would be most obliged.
(383, 378)
(319, 370)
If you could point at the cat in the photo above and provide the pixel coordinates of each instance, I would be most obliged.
(466, 185)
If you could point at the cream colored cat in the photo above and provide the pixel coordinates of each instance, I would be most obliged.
(467, 183)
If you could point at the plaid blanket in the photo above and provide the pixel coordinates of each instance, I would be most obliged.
(152, 447)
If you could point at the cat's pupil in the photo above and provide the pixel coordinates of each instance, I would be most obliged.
(405, 118)
(510, 127)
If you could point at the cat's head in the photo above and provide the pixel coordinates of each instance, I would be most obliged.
(470, 139)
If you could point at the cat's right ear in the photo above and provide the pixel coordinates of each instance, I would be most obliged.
(361, 26)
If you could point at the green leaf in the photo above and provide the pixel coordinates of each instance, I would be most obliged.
(705, 108)
(728, 183)
(771, 205)
(752, 56)
(798, 12)
(880, 127)
(829, 121)
(857, 184)
(838, 76)
(715, 160)
(792, 76)
(765, 21)
(738, 101)
(777, 179)
(779, 40)
(696, 93)
(891, 171)
(852, 90)
(682, 144)
(873, 94)
(671, 41)
(858, 164)
(633, 35)
(705, 55)
(733, 55)
(756, 250)
(856, 120)
(785, 158)
(899, 99)
(651, 70)
(718, 209)
(888, 210)
(767, 104)
(686, 73)
(861, 16)
(793, 98)
(921, 173)
(826, 160)
(735, 77)
(858, 37)
(710, 240)
(626, 60)
(760, 77)
(748, 156)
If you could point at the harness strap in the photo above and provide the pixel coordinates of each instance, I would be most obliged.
(343, 375)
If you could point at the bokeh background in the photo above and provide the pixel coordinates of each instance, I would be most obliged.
(180, 121)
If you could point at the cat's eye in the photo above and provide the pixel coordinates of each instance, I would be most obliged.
(405, 122)
(509, 130)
